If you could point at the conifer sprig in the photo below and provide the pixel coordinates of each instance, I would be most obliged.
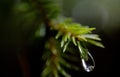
(70, 31)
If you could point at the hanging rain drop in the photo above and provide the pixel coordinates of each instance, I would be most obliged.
(87, 59)
(89, 64)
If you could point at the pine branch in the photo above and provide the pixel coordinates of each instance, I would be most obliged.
(68, 32)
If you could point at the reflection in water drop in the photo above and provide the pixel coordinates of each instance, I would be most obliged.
(87, 59)
(89, 64)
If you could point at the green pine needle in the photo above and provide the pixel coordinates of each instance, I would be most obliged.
(96, 43)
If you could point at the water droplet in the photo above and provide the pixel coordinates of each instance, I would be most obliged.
(87, 59)
(89, 64)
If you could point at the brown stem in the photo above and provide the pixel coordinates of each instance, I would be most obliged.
(24, 65)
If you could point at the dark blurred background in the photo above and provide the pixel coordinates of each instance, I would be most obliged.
(16, 36)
